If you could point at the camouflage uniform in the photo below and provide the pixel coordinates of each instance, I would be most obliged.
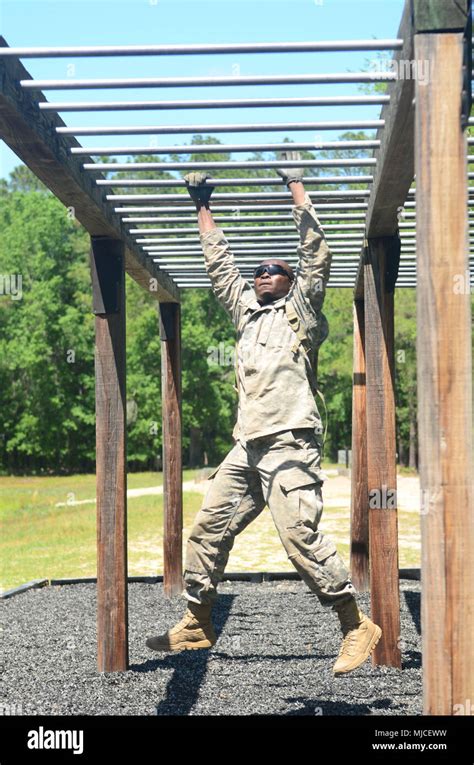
(277, 453)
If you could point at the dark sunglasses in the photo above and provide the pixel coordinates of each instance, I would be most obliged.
(271, 268)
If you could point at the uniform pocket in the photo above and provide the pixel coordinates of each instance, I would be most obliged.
(324, 551)
(306, 438)
(299, 476)
(302, 485)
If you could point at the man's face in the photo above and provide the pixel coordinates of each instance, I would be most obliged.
(270, 287)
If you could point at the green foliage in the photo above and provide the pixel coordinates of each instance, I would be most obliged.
(335, 371)
(47, 406)
(405, 366)
(46, 350)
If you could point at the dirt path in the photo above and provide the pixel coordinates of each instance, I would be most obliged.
(259, 548)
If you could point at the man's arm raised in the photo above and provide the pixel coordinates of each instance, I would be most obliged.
(314, 264)
(228, 284)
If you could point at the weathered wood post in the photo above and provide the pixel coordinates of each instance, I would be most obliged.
(108, 289)
(381, 264)
(393, 176)
(170, 333)
(359, 546)
(444, 362)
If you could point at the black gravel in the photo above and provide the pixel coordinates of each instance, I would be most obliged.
(274, 655)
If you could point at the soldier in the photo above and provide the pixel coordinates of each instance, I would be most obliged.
(276, 457)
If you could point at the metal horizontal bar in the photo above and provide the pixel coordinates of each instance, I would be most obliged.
(244, 220)
(235, 208)
(230, 103)
(219, 148)
(201, 275)
(206, 284)
(291, 238)
(266, 252)
(217, 165)
(349, 270)
(244, 262)
(256, 229)
(335, 238)
(173, 183)
(342, 273)
(237, 229)
(191, 248)
(247, 271)
(245, 259)
(344, 284)
(290, 251)
(226, 128)
(225, 81)
(257, 241)
(193, 277)
(186, 271)
(271, 195)
(353, 256)
(202, 48)
(238, 249)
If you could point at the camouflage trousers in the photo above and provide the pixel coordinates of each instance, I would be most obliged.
(282, 471)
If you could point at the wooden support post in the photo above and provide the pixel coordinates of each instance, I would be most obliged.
(359, 492)
(444, 379)
(108, 284)
(170, 333)
(380, 264)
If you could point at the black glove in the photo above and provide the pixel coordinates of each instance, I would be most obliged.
(290, 173)
(197, 187)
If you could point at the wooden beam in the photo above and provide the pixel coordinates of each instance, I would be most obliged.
(394, 171)
(440, 15)
(170, 333)
(381, 451)
(108, 283)
(444, 382)
(31, 134)
(359, 547)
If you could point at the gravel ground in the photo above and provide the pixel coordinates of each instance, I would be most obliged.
(274, 655)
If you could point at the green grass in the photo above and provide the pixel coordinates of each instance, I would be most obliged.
(40, 540)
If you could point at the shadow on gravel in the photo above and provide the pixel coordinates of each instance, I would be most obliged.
(317, 707)
(189, 667)
(413, 601)
(413, 660)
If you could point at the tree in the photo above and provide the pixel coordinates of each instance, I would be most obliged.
(46, 349)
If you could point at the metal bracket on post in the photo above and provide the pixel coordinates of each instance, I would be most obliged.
(393, 262)
(392, 247)
(107, 272)
(167, 316)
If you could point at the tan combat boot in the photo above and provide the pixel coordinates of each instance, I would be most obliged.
(360, 637)
(195, 630)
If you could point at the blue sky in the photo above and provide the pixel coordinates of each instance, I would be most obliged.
(107, 22)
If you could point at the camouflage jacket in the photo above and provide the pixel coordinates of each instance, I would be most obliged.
(276, 343)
